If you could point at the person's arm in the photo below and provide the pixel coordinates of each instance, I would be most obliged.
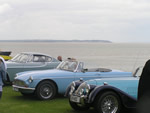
(4, 77)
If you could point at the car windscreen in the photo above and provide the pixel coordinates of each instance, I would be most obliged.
(20, 58)
(68, 65)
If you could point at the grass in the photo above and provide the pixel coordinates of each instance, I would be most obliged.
(14, 102)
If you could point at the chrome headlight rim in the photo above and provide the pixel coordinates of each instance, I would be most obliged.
(83, 89)
(72, 87)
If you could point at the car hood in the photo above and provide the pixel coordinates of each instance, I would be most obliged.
(42, 74)
(11, 64)
(92, 82)
(111, 81)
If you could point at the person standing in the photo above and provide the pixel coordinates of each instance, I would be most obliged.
(144, 90)
(3, 68)
(59, 58)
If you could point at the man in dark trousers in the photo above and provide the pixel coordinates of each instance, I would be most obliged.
(143, 104)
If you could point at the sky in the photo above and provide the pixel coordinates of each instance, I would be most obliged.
(114, 20)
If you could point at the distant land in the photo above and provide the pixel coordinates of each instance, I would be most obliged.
(102, 41)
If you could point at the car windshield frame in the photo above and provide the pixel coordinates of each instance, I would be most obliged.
(138, 71)
(19, 58)
(68, 65)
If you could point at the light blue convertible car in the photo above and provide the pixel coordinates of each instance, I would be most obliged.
(107, 95)
(27, 61)
(47, 83)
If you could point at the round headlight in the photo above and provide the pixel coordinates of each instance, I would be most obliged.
(30, 79)
(87, 89)
(72, 87)
(83, 89)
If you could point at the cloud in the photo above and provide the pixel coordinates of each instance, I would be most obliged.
(116, 20)
(5, 8)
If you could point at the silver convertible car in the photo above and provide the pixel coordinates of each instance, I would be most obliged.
(27, 61)
(46, 84)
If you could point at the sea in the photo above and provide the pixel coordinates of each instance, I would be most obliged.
(121, 56)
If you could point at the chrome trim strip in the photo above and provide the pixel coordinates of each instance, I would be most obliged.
(19, 87)
(27, 66)
(71, 77)
(78, 77)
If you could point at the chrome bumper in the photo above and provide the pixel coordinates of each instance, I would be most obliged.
(78, 99)
(19, 87)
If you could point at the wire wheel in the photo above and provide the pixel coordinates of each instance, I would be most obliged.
(46, 90)
(108, 102)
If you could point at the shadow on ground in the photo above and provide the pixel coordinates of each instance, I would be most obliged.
(93, 111)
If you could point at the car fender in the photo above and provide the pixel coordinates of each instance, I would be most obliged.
(127, 100)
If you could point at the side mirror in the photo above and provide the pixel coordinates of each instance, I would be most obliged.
(84, 70)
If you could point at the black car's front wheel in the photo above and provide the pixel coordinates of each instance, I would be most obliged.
(46, 90)
(108, 102)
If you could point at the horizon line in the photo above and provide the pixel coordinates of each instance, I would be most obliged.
(51, 40)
